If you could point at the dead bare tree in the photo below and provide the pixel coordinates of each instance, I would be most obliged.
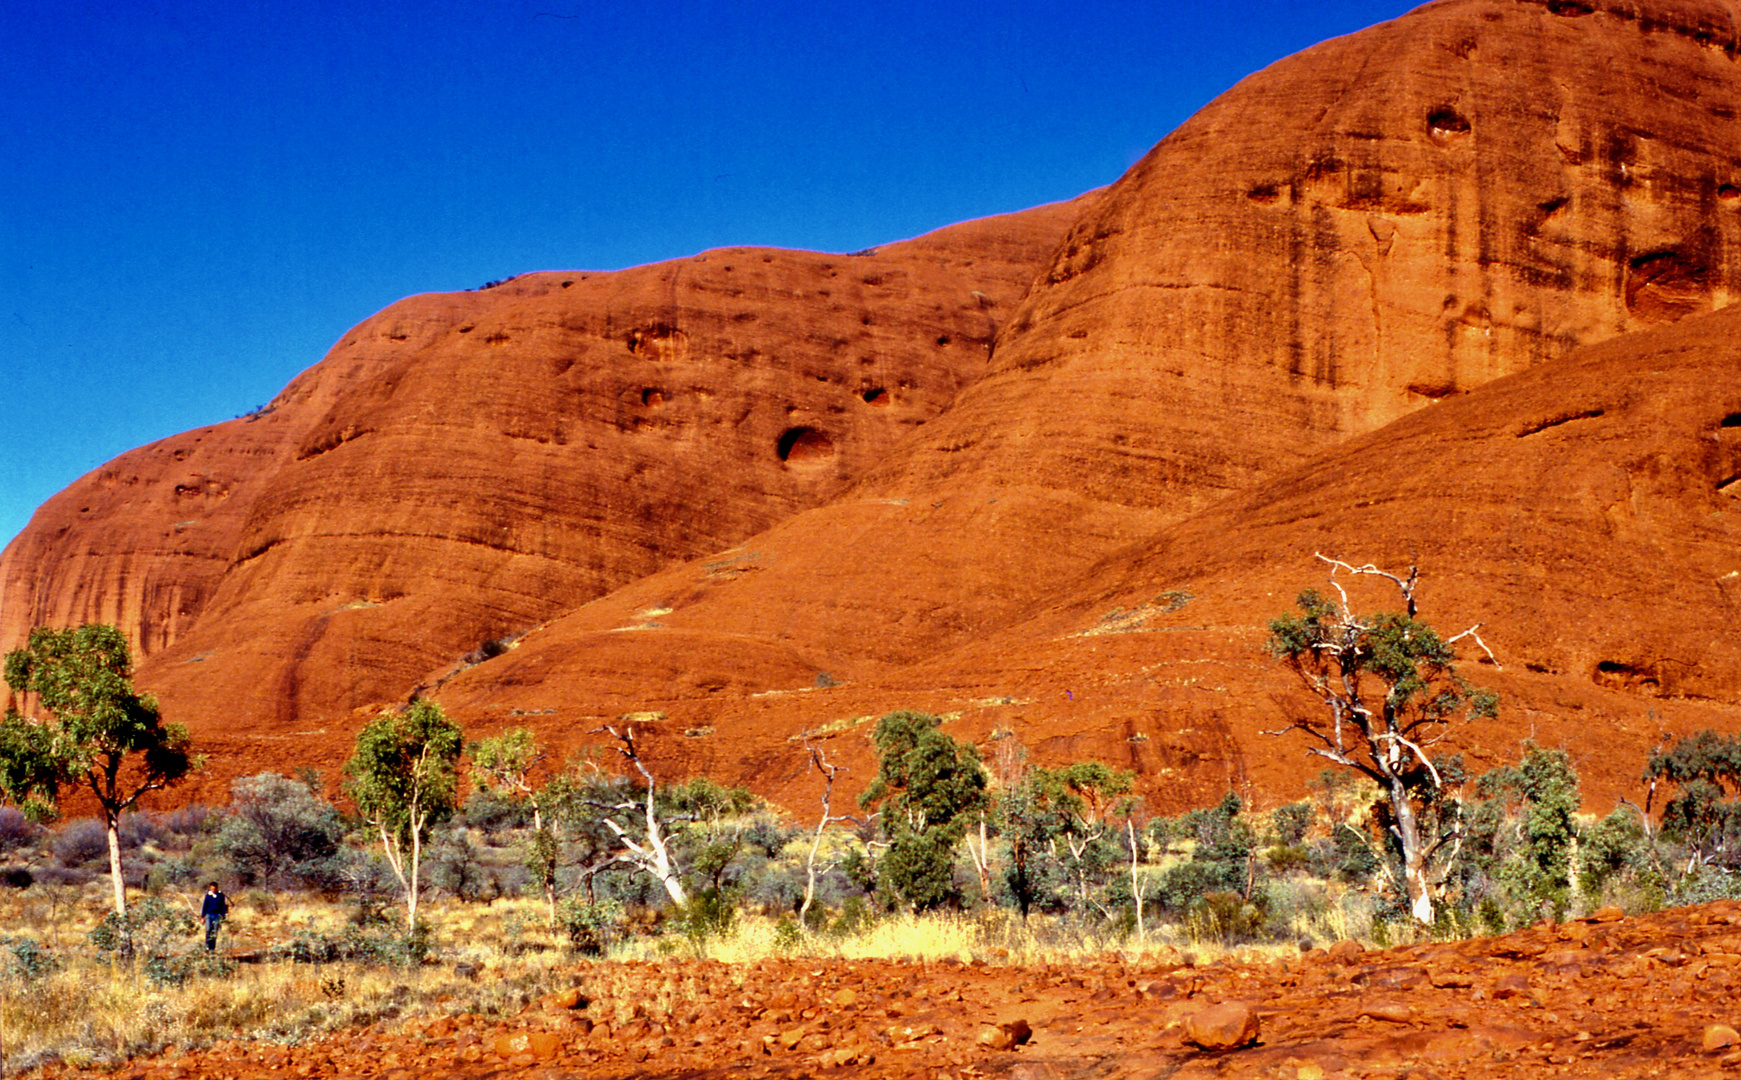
(653, 855)
(1390, 691)
(1136, 884)
(827, 769)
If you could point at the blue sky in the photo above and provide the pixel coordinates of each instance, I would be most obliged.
(197, 199)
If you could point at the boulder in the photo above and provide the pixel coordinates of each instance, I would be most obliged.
(1229, 1025)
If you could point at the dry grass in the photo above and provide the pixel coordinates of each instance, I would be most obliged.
(87, 1013)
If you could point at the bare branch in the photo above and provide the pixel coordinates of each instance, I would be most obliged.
(1406, 585)
(1470, 633)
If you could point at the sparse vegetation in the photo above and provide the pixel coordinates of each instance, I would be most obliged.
(1018, 863)
(1390, 689)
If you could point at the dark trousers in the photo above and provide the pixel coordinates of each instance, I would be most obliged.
(212, 923)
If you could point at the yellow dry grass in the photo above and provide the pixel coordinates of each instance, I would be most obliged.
(90, 1014)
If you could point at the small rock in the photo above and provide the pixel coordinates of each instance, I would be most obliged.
(1005, 1036)
(1607, 914)
(1227, 1026)
(846, 997)
(1510, 986)
(1392, 978)
(1720, 1036)
(1394, 1012)
(1310, 1070)
(1345, 950)
(995, 1038)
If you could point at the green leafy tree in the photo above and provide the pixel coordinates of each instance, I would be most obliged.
(1547, 786)
(404, 777)
(1611, 849)
(502, 765)
(1223, 853)
(709, 822)
(101, 735)
(1390, 689)
(1705, 812)
(928, 788)
(1058, 823)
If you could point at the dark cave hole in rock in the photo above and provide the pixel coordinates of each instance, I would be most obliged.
(652, 395)
(1444, 122)
(876, 395)
(1617, 675)
(1732, 420)
(804, 444)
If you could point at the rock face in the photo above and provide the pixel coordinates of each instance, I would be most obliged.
(1356, 305)
(1153, 409)
(462, 466)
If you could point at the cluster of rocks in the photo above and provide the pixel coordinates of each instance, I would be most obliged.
(1605, 995)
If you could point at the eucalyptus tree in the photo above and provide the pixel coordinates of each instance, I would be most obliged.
(99, 733)
(1390, 690)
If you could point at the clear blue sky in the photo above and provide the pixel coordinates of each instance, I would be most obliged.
(198, 198)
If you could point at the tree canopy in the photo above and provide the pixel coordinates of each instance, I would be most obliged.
(101, 734)
(404, 776)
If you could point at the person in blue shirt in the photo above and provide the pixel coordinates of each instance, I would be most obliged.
(216, 906)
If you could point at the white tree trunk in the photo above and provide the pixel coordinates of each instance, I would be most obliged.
(411, 886)
(1136, 890)
(120, 882)
(1414, 856)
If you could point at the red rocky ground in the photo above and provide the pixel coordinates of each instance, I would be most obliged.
(1646, 996)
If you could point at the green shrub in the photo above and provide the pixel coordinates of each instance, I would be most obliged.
(1227, 917)
(378, 945)
(590, 926)
(29, 959)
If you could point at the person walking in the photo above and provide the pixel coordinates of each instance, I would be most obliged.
(216, 906)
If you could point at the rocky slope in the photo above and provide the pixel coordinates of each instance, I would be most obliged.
(1563, 1000)
(1350, 305)
(462, 466)
(1145, 419)
(1583, 511)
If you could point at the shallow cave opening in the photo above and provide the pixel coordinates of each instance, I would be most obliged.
(876, 395)
(1445, 121)
(803, 444)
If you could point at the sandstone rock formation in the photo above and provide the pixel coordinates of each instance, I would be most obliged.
(462, 466)
(1153, 371)
(1357, 304)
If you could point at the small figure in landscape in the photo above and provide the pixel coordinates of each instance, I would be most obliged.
(216, 906)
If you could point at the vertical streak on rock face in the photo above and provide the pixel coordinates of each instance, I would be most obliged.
(1446, 129)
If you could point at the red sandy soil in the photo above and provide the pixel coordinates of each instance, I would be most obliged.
(1647, 996)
